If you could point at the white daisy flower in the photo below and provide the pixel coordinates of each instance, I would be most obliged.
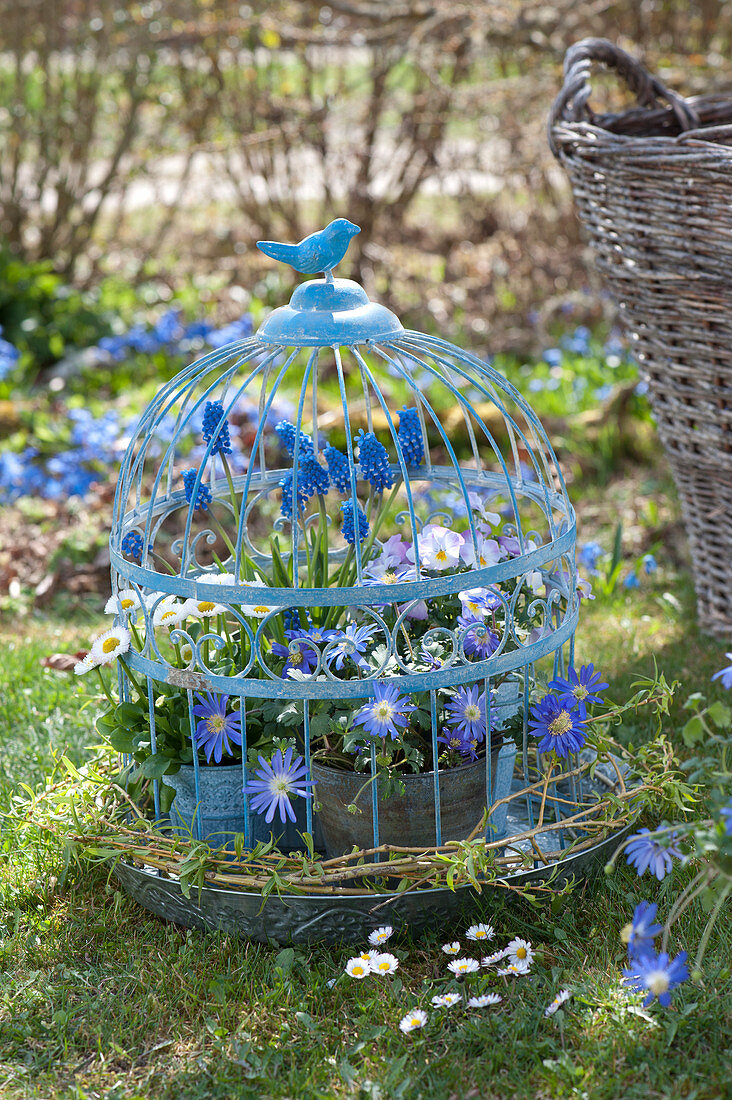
(485, 1001)
(413, 1020)
(558, 1001)
(513, 970)
(520, 951)
(257, 610)
(480, 932)
(490, 960)
(217, 578)
(86, 664)
(451, 948)
(110, 645)
(199, 609)
(370, 956)
(446, 1000)
(122, 602)
(385, 964)
(380, 935)
(463, 966)
(169, 612)
(357, 968)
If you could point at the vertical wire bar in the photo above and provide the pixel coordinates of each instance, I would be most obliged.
(245, 774)
(525, 747)
(352, 467)
(196, 767)
(375, 800)
(435, 770)
(308, 801)
(488, 759)
(153, 742)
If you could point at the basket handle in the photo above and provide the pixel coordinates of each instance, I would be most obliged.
(571, 103)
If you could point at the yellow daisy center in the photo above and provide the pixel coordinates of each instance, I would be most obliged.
(260, 609)
(480, 934)
(168, 615)
(205, 605)
(384, 966)
(110, 645)
(358, 969)
(124, 604)
(520, 952)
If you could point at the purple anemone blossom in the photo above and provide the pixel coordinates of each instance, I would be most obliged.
(216, 728)
(644, 851)
(579, 689)
(466, 712)
(478, 640)
(300, 656)
(657, 975)
(641, 932)
(386, 714)
(351, 642)
(460, 742)
(275, 783)
(561, 729)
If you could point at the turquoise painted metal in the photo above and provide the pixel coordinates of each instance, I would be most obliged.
(344, 363)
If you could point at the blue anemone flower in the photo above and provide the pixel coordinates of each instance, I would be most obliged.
(203, 499)
(410, 436)
(645, 852)
(657, 975)
(386, 714)
(351, 642)
(301, 657)
(212, 417)
(726, 816)
(725, 674)
(348, 530)
(466, 712)
(275, 783)
(373, 460)
(216, 729)
(478, 640)
(641, 931)
(580, 688)
(560, 728)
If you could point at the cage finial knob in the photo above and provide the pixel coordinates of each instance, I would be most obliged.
(320, 251)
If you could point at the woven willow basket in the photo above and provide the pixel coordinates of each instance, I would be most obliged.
(653, 186)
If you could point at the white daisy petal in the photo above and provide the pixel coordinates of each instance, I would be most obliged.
(415, 1019)
(86, 664)
(385, 964)
(485, 1001)
(451, 948)
(109, 645)
(557, 1003)
(122, 603)
(380, 935)
(463, 966)
(446, 1000)
(357, 968)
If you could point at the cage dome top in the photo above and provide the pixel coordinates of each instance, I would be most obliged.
(336, 475)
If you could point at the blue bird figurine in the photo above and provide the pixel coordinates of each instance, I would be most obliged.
(320, 251)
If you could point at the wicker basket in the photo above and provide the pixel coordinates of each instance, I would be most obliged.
(654, 188)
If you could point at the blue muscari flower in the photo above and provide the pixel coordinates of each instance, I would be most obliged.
(313, 477)
(410, 436)
(640, 933)
(275, 783)
(286, 432)
(657, 975)
(204, 493)
(338, 468)
(348, 531)
(650, 565)
(645, 852)
(579, 689)
(212, 416)
(216, 728)
(304, 491)
(373, 460)
(589, 555)
(386, 714)
(132, 545)
(291, 618)
(115, 346)
(631, 581)
(168, 328)
(560, 728)
(231, 333)
(197, 330)
(142, 339)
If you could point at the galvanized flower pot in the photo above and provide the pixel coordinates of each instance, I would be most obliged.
(408, 819)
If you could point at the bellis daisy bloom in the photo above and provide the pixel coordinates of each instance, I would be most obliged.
(513, 970)
(446, 1000)
(658, 975)
(462, 966)
(485, 1001)
(646, 852)
(201, 609)
(170, 612)
(369, 956)
(380, 935)
(86, 664)
(386, 714)
(480, 932)
(413, 1020)
(276, 782)
(642, 930)
(520, 952)
(451, 948)
(113, 643)
(557, 1003)
(491, 960)
(122, 602)
(357, 968)
(216, 729)
(385, 964)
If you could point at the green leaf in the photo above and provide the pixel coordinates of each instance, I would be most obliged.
(693, 731)
(155, 766)
(720, 714)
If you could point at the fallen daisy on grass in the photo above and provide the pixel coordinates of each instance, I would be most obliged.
(557, 1002)
(384, 964)
(480, 932)
(491, 960)
(415, 1019)
(446, 1000)
(520, 951)
(485, 1001)
(381, 935)
(451, 948)
(357, 968)
(463, 966)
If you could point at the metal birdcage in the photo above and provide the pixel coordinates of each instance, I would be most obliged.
(268, 483)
